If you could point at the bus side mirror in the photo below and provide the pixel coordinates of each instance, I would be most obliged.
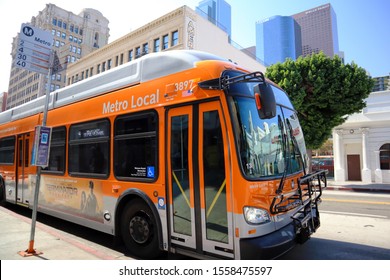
(265, 101)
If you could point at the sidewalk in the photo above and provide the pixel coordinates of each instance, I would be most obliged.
(358, 186)
(53, 243)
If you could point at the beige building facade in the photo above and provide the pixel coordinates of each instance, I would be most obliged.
(180, 29)
(74, 36)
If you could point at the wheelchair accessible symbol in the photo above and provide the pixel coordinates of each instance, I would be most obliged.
(150, 171)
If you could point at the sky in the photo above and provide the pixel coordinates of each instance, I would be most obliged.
(363, 25)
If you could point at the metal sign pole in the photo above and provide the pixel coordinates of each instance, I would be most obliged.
(31, 251)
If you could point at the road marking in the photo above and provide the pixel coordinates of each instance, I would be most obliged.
(353, 214)
(356, 201)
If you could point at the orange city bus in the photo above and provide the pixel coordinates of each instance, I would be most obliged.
(178, 151)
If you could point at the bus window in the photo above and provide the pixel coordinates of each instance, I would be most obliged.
(181, 182)
(214, 178)
(57, 151)
(7, 150)
(89, 146)
(135, 146)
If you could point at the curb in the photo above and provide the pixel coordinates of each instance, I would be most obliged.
(356, 189)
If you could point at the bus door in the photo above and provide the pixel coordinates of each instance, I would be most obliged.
(23, 168)
(198, 180)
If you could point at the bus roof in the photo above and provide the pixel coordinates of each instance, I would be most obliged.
(146, 68)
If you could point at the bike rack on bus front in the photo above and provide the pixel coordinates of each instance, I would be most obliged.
(309, 192)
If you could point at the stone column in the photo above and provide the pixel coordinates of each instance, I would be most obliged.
(339, 161)
(378, 171)
(366, 171)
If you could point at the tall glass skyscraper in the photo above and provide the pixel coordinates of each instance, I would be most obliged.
(311, 31)
(218, 12)
(278, 38)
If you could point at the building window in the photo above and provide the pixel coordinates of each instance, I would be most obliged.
(54, 22)
(165, 42)
(109, 64)
(156, 47)
(138, 52)
(96, 44)
(130, 55)
(384, 156)
(175, 38)
(145, 48)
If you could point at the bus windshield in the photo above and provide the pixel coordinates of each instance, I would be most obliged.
(267, 147)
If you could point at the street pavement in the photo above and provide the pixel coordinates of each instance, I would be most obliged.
(54, 244)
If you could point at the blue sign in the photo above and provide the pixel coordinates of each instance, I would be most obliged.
(41, 150)
(161, 203)
(150, 171)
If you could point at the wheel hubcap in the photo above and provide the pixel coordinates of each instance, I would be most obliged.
(139, 229)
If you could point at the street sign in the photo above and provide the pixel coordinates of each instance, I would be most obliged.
(34, 49)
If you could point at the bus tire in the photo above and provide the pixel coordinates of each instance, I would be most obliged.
(139, 230)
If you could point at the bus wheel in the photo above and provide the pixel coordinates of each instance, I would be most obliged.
(139, 230)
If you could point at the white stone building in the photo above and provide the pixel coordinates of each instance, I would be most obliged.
(362, 144)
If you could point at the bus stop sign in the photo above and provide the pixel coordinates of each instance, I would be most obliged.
(34, 49)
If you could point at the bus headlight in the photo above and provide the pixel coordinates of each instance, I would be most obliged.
(256, 215)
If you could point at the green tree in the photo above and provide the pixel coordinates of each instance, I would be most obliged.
(323, 90)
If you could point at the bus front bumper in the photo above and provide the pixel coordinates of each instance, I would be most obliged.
(269, 246)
